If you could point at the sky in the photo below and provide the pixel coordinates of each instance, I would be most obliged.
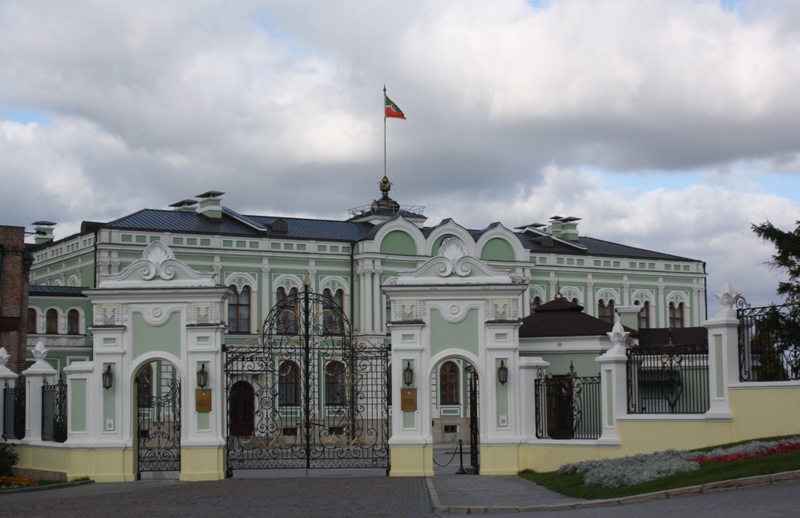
(671, 125)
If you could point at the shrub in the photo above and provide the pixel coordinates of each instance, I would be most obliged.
(8, 457)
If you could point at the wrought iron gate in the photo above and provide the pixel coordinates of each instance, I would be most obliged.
(319, 396)
(159, 422)
(474, 431)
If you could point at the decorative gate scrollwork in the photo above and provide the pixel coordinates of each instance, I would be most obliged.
(159, 422)
(319, 397)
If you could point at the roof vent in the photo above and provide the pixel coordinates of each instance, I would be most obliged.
(279, 225)
(184, 205)
(43, 231)
(211, 204)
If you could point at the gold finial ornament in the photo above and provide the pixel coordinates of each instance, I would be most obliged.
(385, 185)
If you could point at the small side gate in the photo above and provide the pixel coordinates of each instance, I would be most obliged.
(159, 423)
(474, 429)
(306, 394)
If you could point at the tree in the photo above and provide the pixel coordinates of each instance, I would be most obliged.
(787, 255)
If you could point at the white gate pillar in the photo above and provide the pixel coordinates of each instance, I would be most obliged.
(723, 357)
(35, 376)
(613, 385)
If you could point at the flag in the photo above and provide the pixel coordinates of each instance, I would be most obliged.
(392, 111)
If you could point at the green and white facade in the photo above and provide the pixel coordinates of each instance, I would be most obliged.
(159, 285)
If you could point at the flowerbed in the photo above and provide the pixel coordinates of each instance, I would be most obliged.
(627, 471)
(16, 481)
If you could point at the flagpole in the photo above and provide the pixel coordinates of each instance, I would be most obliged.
(384, 130)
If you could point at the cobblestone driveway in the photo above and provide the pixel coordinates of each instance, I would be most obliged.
(287, 497)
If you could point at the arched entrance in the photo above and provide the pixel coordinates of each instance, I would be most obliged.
(455, 407)
(319, 396)
(158, 416)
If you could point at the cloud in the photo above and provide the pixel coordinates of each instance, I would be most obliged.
(516, 111)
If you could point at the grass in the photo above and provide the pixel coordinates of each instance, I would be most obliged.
(572, 484)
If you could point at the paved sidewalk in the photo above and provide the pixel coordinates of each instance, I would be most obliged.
(470, 494)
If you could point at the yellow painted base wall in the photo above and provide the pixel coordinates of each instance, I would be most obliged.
(500, 460)
(202, 464)
(113, 465)
(98, 465)
(411, 461)
(758, 412)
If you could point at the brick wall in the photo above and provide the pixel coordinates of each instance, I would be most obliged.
(14, 296)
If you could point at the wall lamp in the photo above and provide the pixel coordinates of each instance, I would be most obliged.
(408, 375)
(502, 373)
(108, 377)
(202, 376)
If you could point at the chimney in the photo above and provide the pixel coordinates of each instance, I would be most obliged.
(211, 204)
(569, 228)
(43, 231)
(184, 206)
(555, 226)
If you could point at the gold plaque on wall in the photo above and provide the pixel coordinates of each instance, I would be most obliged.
(202, 400)
(408, 400)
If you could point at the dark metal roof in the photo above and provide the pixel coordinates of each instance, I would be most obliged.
(55, 291)
(237, 225)
(234, 224)
(561, 317)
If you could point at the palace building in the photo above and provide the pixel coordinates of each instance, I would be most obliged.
(260, 341)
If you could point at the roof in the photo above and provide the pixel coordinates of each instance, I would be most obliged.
(561, 317)
(235, 224)
(55, 291)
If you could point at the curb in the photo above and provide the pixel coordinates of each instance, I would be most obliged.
(712, 487)
(45, 488)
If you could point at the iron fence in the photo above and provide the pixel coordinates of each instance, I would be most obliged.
(769, 342)
(54, 412)
(668, 379)
(14, 410)
(568, 406)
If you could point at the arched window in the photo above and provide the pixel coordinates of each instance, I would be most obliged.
(287, 319)
(241, 407)
(289, 384)
(334, 383)
(52, 321)
(536, 302)
(675, 315)
(239, 310)
(73, 320)
(605, 312)
(31, 321)
(332, 311)
(448, 384)
(644, 314)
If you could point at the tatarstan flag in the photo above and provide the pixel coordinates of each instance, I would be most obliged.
(392, 111)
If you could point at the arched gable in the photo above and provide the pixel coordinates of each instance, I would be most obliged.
(449, 228)
(399, 237)
(500, 244)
